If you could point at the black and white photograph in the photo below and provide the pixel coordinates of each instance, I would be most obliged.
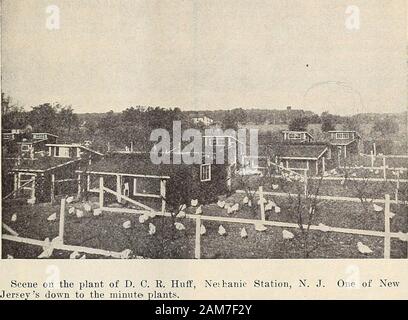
(204, 129)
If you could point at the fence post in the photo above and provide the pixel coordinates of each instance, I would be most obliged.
(118, 188)
(52, 188)
(79, 186)
(398, 180)
(163, 195)
(100, 192)
(372, 159)
(385, 169)
(306, 183)
(262, 202)
(15, 187)
(62, 221)
(197, 251)
(387, 231)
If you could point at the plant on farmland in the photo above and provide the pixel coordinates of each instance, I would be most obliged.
(362, 186)
(302, 205)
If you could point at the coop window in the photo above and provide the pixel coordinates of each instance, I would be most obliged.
(295, 136)
(62, 152)
(342, 136)
(205, 172)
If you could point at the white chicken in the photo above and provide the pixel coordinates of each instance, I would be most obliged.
(87, 207)
(203, 230)
(48, 249)
(269, 206)
(14, 218)
(83, 257)
(275, 186)
(222, 231)
(245, 200)
(74, 255)
(199, 210)
(125, 254)
(377, 171)
(97, 212)
(31, 201)
(143, 218)
(79, 213)
(362, 248)
(181, 214)
(127, 224)
(194, 202)
(70, 199)
(152, 229)
(52, 217)
(221, 204)
(277, 209)
(179, 226)
(243, 233)
(9, 256)
(230, 210)
(71, 210)
(235, 207)
(287, 234)
(377, 208)
(260, 227)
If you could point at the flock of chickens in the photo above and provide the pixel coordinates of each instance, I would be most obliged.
(269, 205)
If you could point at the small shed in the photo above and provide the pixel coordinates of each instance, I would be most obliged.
(135, 176)
(302, 157)
(343, 143)
(36, 179)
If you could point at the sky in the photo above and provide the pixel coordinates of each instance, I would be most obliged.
(207, 55)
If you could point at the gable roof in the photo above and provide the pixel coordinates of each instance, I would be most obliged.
(42, 164)
(300, 151)
(297, 131)
(73, 145)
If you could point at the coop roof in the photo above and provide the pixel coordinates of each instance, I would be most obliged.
(138, 164)
(298, 131)
(341, 142)
(73, 145)
(300, 151)
(41, 164)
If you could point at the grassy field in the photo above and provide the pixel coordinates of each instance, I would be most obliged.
(106, 232)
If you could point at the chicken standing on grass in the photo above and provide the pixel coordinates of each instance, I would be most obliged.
(221, 204)
(202, 230)
(52, 217)
(377, 208)
(244, 233)
(74, 255)
(362, 248)
(179, 226)
(287, 234)
(152, 229)
(221, 230)
(127, 224)
(79, 213)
